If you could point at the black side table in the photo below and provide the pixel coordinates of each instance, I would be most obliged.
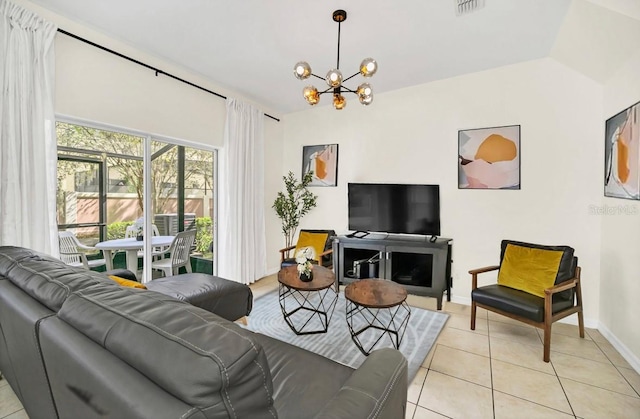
(376, 304)
(307, 307)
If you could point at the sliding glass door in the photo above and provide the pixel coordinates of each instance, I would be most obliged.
(80, 203)
(101, 173)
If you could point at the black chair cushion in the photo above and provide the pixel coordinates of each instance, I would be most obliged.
(518, 302)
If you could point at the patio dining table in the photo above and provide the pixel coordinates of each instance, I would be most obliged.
(131, 246)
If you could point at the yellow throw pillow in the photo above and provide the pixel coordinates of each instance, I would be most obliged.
(127, 283)
(529, 269)
(315, 240)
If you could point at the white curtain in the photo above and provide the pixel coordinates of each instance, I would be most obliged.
(27, 131)
(242, 245)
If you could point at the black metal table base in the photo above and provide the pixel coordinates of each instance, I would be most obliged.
(318, 305)
(391, 321)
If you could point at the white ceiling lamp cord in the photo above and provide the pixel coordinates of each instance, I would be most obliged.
(468, 6)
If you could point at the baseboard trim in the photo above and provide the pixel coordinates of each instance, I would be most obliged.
(626, 353)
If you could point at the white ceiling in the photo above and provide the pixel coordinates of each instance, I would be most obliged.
(250, 46)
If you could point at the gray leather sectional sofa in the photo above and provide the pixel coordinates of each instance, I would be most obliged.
(74, 344)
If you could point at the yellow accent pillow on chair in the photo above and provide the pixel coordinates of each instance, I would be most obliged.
(315, 240)
(529, 269)
(127, 283)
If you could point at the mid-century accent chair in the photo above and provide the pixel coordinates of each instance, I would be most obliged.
(320, 240)
(537, 285)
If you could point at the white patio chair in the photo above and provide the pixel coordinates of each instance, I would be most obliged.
(180, 251)
(72, 252)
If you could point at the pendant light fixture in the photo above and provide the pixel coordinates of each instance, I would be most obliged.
(334, 78)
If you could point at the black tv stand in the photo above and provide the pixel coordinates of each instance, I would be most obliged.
(358, 234)
(420, 264)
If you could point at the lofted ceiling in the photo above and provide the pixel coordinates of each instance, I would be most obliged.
(251, 46)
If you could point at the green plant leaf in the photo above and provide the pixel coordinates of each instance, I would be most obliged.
(294, 203)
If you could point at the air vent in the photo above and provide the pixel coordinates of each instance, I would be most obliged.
(464, 7)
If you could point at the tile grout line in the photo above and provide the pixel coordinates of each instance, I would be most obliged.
(434, 348)
(493, 399)
(563, 389)
(618, 369)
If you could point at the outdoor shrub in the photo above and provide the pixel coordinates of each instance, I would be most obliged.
(204, 236)
(117, 230)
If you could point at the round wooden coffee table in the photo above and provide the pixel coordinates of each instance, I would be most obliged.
(376, 304)
(307, 307)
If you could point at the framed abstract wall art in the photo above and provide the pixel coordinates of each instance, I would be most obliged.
(323, 161)
(489, 158)
(622, 154)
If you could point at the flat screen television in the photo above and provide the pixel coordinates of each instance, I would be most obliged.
(394, 208)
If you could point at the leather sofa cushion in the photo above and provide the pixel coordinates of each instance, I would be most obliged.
(302, 381)
(88, 382)
(518, 302)
(200, 358)
(228, 299)
(20, 352)
(48, 280)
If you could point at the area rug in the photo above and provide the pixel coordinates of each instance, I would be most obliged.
(422, 331)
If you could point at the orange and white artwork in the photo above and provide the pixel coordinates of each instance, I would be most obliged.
(323, 161)
(489, 158)
(622, 154)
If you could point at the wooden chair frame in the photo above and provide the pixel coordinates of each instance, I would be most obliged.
(549, 317)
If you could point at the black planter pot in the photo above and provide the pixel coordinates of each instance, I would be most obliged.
(139, 238)
(306, 278)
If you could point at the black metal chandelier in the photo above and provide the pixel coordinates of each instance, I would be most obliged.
(334, 79)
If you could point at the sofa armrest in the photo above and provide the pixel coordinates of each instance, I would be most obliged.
(378, 389)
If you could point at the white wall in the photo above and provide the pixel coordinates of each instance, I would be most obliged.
(620, 273)
(95, 85)
(410, 136)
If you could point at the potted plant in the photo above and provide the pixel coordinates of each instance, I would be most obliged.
(294, 204)
(138, 227)
(304, 257)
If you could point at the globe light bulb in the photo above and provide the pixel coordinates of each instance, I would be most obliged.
(311, 95)
(339, 102)
(302, 70)
(368, 67)
(364, 90)
(366, 100)
(334, 78)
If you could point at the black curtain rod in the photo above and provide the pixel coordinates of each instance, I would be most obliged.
(156, 70)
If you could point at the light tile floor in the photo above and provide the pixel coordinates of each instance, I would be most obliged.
(497, 371)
